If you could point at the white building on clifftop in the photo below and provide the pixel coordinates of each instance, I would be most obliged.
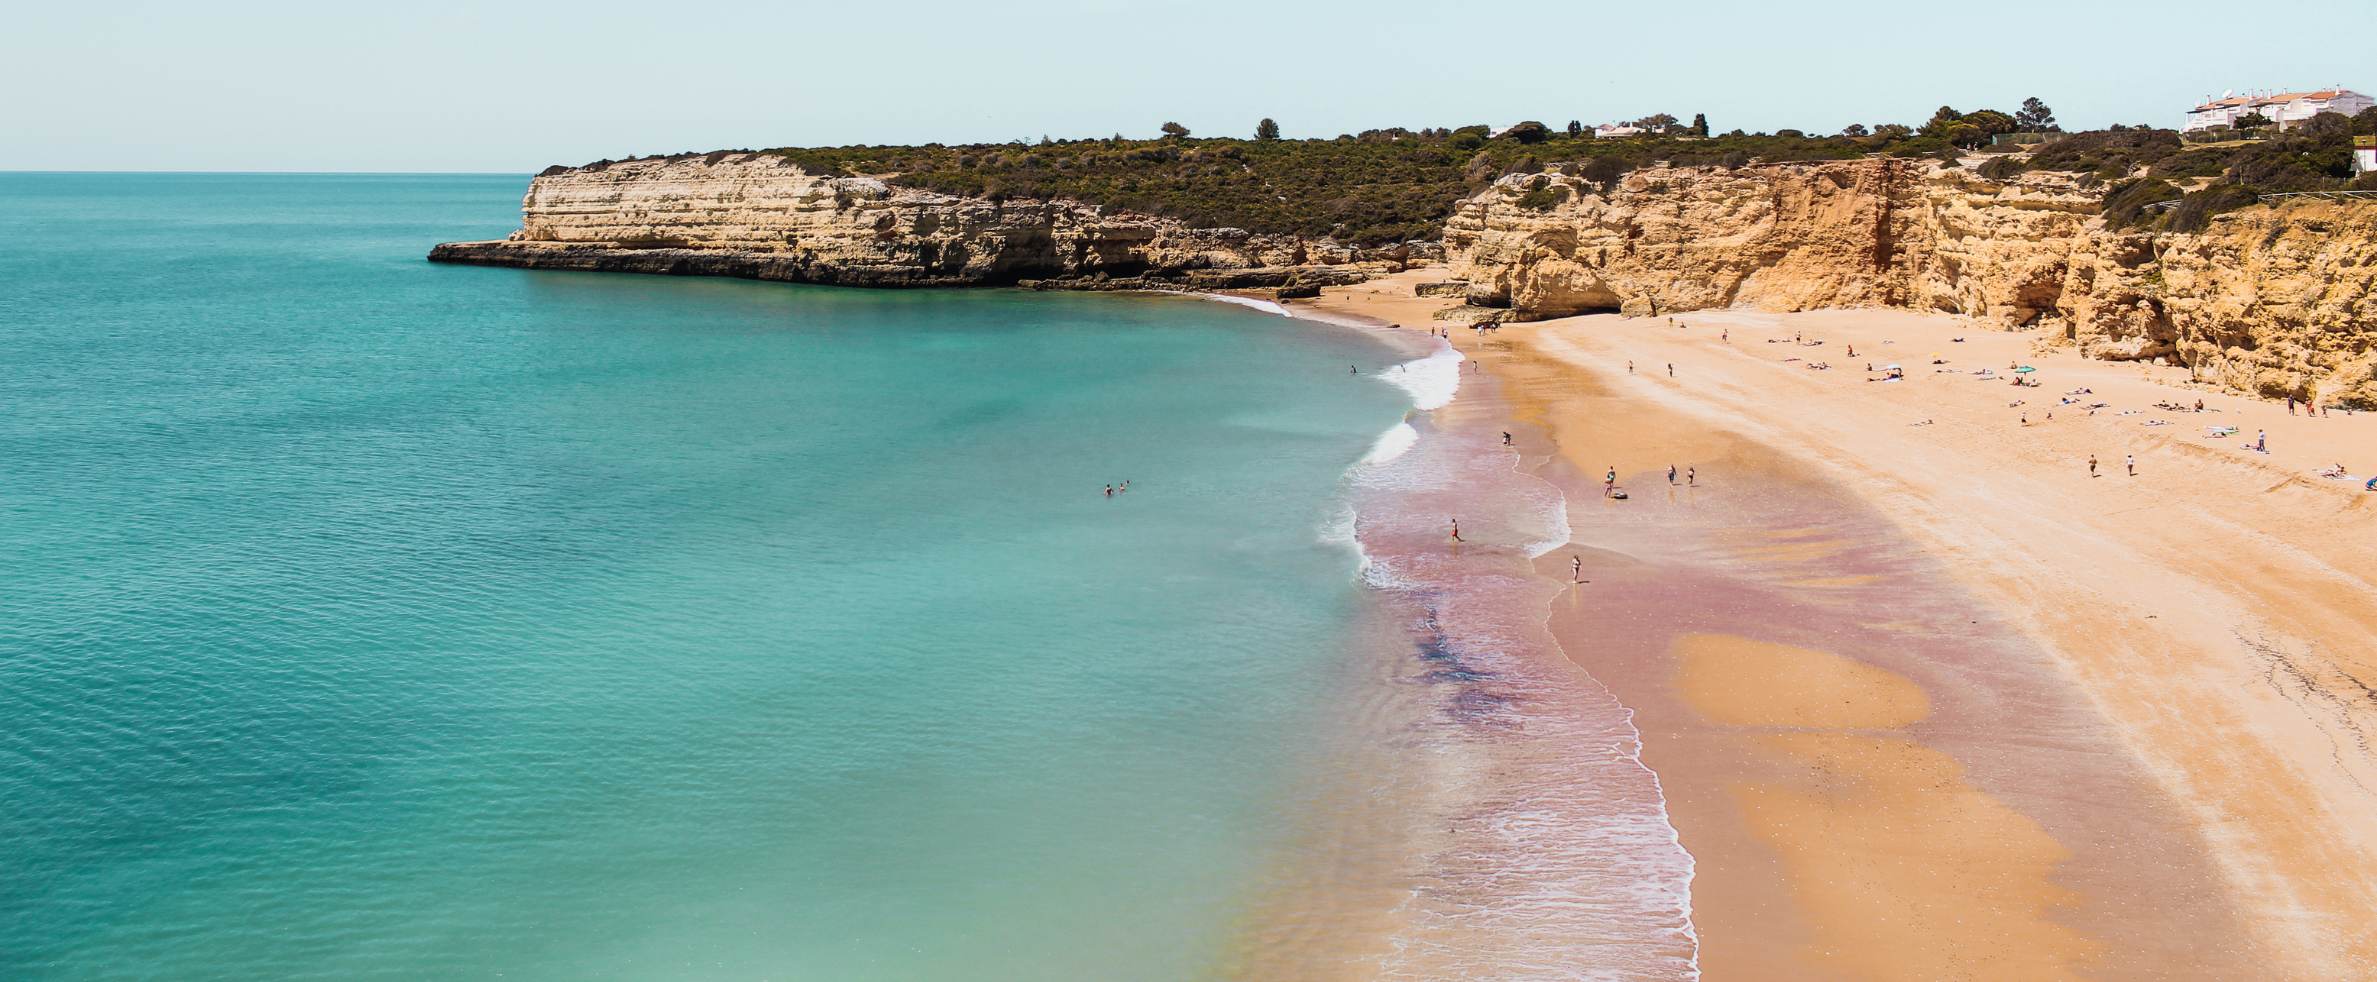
(2287, 109)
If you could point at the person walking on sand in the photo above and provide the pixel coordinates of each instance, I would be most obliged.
(1576, 569)
(1692, 477)
(1671, 369)
(1630, 366)
(1609, 481)
(2131, 461)
(1725, 335)
(2091, 465)
(1671, 473)
(1456, 530)
(1506, 438)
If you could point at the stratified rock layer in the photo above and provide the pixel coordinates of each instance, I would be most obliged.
(2273, 300)
(761, 216)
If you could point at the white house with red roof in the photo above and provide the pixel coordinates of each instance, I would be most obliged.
(2287, 109)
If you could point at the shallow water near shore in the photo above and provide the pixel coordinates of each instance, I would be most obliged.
(368, 617)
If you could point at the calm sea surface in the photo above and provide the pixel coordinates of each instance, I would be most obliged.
(360, 616)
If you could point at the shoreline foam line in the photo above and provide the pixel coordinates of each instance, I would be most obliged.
(1254, 303)
(1433, 381)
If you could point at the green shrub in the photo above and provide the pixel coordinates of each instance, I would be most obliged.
(2195, 212)
(2125, 203)
(1529, 132)
(1543, 197)
(2109, 153)
(2001, 169)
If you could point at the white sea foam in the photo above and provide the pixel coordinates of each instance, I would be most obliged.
(1557, 532)
(1265, 306)
(1559, 858)
(1342, 530)
(1432, 380)
(1391, 444)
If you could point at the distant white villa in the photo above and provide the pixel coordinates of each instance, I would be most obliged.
(1614, 129)
(2287, 109)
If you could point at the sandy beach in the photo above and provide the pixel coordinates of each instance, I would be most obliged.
(1926, 697)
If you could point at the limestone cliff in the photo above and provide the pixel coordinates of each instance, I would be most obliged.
(2274, 300)
(760, 216)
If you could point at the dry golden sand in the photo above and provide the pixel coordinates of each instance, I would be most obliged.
(2208, 622)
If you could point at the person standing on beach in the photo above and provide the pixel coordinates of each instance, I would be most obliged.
(1456, 530)
(1630, 366)
(1671, 473)
(1671, 369)
(2091, 465)
(1725, 335)
(1576, 569)
(1609, 482)
(2132, 461)
(1692, 477)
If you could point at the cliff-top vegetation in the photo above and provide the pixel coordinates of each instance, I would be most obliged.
(2142, 168)
(1370, 188)
(1391, 185)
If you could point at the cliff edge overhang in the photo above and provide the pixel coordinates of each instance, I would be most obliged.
(761, 216)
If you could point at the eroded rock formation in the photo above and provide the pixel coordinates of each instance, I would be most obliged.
(2274, 300)
(760, 216)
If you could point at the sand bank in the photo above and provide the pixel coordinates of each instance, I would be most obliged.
(1930, 700)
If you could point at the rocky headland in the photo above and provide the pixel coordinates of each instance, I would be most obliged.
(761, 216)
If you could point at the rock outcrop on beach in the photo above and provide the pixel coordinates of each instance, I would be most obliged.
(761, 216)
(2276, 300)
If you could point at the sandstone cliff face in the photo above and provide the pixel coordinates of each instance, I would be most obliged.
(2276, 300)
(761, 216)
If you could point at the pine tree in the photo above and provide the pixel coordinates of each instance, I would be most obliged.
(1175, 131)
(1575, 129)
(2035, 117)
(1267, 129)
(1700, 124)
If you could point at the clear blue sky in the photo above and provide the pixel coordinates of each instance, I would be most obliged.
(510, 86)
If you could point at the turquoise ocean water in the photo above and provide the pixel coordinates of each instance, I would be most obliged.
(360, 616)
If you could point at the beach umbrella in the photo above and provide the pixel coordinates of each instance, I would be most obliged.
(2025, 369)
